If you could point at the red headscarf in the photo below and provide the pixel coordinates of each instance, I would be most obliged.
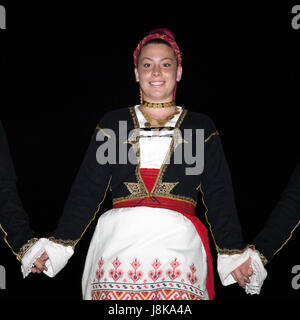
(165, 35)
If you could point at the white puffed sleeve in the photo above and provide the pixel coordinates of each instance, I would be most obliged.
(58, 254)
(228, 263)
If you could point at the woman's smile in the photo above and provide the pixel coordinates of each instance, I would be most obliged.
(157, 83)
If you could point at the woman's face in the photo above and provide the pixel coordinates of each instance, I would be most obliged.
(158, 73)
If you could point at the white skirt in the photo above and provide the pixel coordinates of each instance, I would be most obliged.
(145, 254)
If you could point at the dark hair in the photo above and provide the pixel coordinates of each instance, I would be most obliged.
(158, 41)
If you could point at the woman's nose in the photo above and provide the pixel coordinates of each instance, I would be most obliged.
(156, 70)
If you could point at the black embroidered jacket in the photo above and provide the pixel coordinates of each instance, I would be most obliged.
(213, 185)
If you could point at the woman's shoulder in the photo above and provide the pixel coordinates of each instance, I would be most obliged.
(113, 117)
(199, 120)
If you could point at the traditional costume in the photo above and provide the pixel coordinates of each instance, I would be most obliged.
(150, 245)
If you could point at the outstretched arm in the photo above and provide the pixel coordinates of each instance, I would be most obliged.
(234, 255)
(14, 222)
(82, 206)
(283, 221)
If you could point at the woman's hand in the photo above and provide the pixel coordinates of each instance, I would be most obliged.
(39, 265)
(243, 273)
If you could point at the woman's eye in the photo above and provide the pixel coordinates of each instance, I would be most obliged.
(167, 65)
(147, 65)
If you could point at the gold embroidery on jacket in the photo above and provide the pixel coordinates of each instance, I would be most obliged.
(216, 133)
(104, 133)
(138, 189)
(95, 214)
(289, 238)
(24, 248)
(165, 188)
(65, 243)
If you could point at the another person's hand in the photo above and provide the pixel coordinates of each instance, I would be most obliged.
(39, 265)
(243, 273)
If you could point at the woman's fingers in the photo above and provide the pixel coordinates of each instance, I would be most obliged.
(242, 273)
(240, 278)
(39, 264)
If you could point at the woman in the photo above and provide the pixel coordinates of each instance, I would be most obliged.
(151, 246)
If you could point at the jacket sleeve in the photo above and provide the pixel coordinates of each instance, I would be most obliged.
(283, 221)
(14, 222)
(218, 197)
(87, 194)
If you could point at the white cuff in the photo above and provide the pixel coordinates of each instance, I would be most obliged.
(58, 257)
(259, 275)
(228, 263)
(31, 256)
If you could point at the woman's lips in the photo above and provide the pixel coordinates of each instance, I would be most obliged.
(157, 83)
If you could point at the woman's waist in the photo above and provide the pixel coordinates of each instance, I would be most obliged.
(175, 204)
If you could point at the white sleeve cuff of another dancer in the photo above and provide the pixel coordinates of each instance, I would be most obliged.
(228, 263)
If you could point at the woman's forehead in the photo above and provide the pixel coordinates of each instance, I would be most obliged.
(154, 50)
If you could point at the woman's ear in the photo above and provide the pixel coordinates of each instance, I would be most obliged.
(179, 73)
(137, 78)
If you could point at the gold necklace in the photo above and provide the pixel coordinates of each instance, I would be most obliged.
(159, 105)
(161, 122)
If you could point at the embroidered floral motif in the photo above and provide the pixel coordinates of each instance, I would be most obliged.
(173, 273)
(155, 285)
(191, 275)
(156, 274)
(135, 275)
(100, 271)
(116, 274)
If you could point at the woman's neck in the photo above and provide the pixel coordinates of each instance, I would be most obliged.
(158, 113)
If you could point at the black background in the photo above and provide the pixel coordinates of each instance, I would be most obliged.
(65, 63)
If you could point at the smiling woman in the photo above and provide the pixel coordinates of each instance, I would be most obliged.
(151, 245)
(158, 68)
(158, 72)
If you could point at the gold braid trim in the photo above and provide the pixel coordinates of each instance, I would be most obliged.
(289, 238)
(25, 248)
(216, 133)
(104, 133)
(65, 243)
(231, 252)
(19, 255)
(72, 243)
(96, 212)
(263, 259)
